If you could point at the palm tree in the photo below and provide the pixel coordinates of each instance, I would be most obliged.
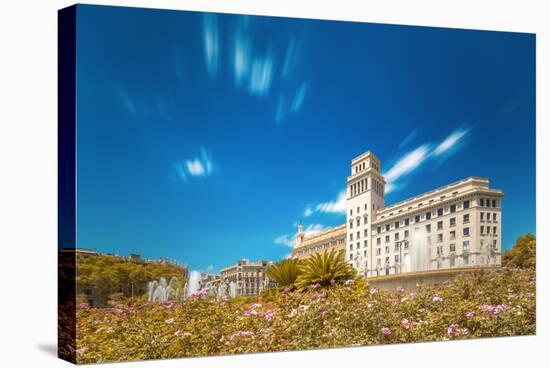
(323, 268)
(284, 272)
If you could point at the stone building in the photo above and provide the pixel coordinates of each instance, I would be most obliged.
(249, 277)
(454, 226)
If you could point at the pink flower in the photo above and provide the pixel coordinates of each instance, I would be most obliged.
(400, 289)
(240, 334)
(84, 306)
(405, 323)
(250, 312)
(385, 331)
(322, 311)
(349, 282)
(452, 329)
(373, 291)
(268, 316)
(315, 286)
(437, 298)
(470, 315)
(333, 282)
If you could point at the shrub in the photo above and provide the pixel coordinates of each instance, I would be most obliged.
(523, 254)
(324, 269)
(284, 272)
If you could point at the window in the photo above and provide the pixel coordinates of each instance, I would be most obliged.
(358, 245)
(428, 228)
(482, 216)
(440, 250)
(452, 261)
(351, 212)
(365, 243)
(366, 208)
(386, 250)
(378, 251)
(365, 232)
(397, 224)
(396, 247)
(378, 230)
(387, 238)
(482, 202)
(494, 217)
(452, 222)
(428, 215)
(494, 229)
(358, 235)
(378, 241)
(453, 208)
(440, 225)
(494, 244)
(396, 236)
(351, 246)
(387, 227)
(351, 224)
(466, 259)
(494, 203)
(440, 212)
(466, 231)
(481, 230)
(417, 218)
(406, 222)
(396, 258)
(357, 209)
(452, 247)
(351, 256)
(350, 237)
(439, 238)
(466, 204)
(466, 218)
(406, 234)
(466, 245)
(358, 222)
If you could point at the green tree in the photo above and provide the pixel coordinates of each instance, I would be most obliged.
(523, 254)
(284, 272)
(323, 268)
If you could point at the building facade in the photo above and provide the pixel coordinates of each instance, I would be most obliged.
(458, 225)
(250, 278)
(305, 246)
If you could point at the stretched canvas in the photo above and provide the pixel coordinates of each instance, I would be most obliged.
(234, 184)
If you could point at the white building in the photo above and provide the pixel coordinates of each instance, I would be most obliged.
(454, 226)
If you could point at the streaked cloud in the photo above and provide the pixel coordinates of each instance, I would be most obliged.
(299, 98)
(287, 240)
(413, 160)
(450, 142)
(407, 163)
(312, 229)
(308, 212)
(200, 166)
(337, 206)
(260, 75)
(409, 138)
(211, 41)
(124, 98)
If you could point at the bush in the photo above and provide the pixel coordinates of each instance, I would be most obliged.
(284, 273)
(324, 269)
(523, 254)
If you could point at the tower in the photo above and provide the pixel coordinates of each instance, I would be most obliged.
(365, 195)
(299, 236)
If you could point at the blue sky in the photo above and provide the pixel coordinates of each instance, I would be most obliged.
(205, 138)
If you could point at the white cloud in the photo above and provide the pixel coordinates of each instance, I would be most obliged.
(260, 75)
(308, 212)
(200, 166)
(314, 229)
(450, 142)
(407, 163)
(211, 43)
(195, 168)
(335, 206)
(299, 98)
(285, 240)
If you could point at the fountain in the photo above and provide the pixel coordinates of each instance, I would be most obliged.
(232, 289)
(162, 291)
(192, 285)
(418, 258)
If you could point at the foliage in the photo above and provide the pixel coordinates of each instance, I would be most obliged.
(523, 254)
(324, 269)
(482, 304)
(284, 272)
(113, 278)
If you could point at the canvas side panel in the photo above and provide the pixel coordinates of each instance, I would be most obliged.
(66, 183)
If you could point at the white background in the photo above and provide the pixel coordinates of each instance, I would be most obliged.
(28, 194)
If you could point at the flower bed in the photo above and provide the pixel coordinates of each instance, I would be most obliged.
(484, 304)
